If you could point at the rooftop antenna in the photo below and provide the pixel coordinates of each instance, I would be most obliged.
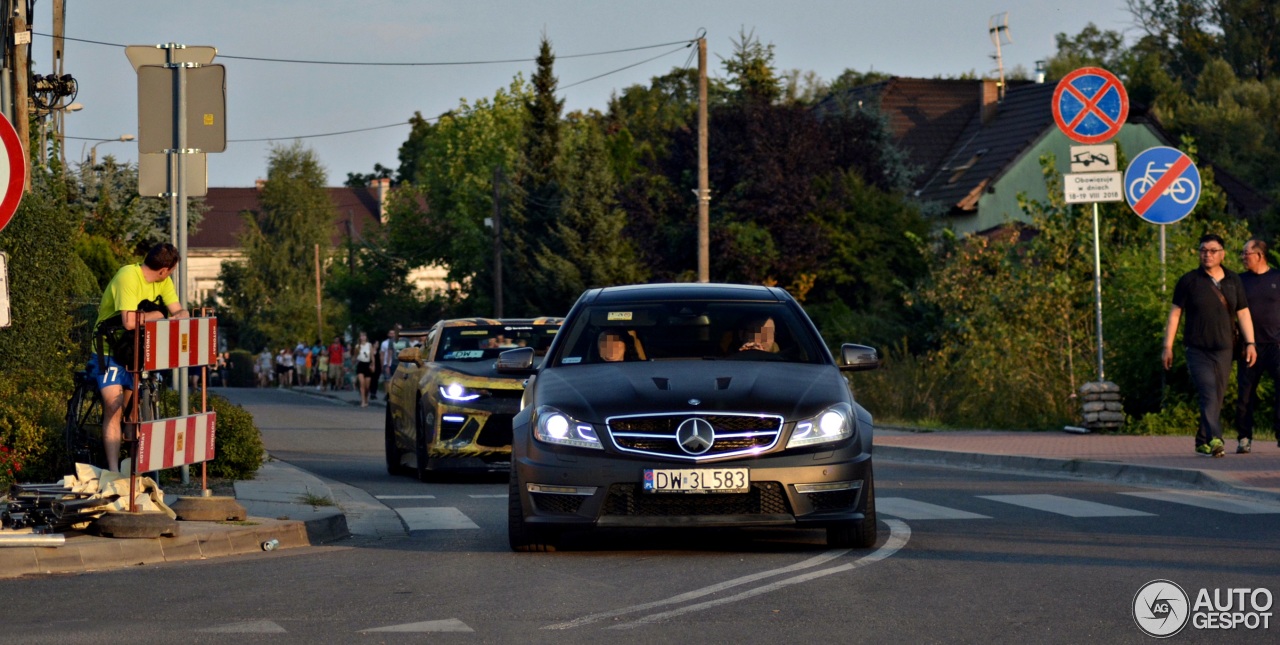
(998, 29)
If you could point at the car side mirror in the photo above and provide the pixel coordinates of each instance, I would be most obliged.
(411, 355)
(857, 358)
(516, 361)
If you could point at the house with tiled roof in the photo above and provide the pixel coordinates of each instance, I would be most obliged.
(977, 147)
(359, 213)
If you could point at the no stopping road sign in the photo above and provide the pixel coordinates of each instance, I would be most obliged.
(1090, 105)
(13, 171)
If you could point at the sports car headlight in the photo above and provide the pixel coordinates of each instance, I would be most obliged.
(554, 426)
(456, 392)
(833, 424)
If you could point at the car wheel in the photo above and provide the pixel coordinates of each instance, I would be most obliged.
(857, 535)
(422, 439)
(393, 447)
(522, 537)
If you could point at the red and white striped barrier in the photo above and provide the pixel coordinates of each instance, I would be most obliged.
(175, 442)
(180, 342)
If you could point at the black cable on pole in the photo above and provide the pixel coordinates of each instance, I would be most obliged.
(260, 59)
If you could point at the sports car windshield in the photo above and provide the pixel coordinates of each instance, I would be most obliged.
(482, 342)
(689, 330)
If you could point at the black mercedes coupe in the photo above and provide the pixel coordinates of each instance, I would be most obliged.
(690, 405)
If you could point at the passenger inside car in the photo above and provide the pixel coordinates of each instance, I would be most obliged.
(757, 334)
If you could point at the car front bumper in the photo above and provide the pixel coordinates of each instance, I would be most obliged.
(583, 490)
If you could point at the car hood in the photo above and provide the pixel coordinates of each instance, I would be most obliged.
(593, 393)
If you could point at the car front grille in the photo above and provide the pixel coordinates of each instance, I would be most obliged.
(496, 432)
(656, 435)
(765, 498)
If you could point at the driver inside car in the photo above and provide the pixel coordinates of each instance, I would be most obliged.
(758, 334)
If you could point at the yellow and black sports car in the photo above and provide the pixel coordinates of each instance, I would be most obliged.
(447, 408)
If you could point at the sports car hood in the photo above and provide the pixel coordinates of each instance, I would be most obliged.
(593, 393)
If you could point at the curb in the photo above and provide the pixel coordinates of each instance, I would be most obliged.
(195, 541)
(1084, 469)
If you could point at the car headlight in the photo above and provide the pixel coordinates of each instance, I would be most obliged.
(456, 392)
(553, 426)
(833, 424)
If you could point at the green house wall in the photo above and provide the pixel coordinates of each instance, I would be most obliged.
(999, 203)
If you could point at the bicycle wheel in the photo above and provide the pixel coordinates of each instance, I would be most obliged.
(82, 431)
(148, 397)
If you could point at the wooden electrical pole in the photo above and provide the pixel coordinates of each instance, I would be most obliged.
(704, 189)
(21, 80)
(319, 317)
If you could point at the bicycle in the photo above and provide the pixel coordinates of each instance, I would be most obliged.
(82, 430)
(1182, 190)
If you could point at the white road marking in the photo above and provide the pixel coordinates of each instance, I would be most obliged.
(1065, 506)
(1213, 501)
(502, 496)
(900, 534)
(404, 496)
(247, 627)
(447, 625)
(430, 518)
(910, 509)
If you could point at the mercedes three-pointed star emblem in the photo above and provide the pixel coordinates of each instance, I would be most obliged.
(695, 435)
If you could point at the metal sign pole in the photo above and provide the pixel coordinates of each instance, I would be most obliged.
(1097, 287)
(181, 172)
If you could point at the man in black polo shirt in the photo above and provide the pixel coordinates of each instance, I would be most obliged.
(1262, 288)
(1211, 296)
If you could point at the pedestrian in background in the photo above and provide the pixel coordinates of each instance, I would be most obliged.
(1262, 288)
(1212, 297)
(320, 355)
(391, 352)
(336, 376)
(365, 371)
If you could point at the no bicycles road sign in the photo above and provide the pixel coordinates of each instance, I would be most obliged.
(1090, 105)
(13, 171)
(1162, 185)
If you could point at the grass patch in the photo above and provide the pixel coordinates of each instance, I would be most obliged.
(312, 499)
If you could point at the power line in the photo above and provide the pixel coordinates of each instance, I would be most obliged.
(683, 43)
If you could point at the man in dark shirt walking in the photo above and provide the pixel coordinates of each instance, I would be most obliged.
(1262, 288)
(1211, 296)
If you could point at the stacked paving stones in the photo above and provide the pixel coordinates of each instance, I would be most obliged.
(1103, 409)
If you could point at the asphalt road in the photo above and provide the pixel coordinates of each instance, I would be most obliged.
(965, 556)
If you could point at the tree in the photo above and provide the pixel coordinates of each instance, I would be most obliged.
(437, 215)
(360, 180)
(537, 206)
(586, 248)
(1092, 47)
(272, 296)
(750, 69)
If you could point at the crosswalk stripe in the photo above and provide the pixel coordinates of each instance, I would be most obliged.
(502, 496)
(910, 509)
(1212, 501)
(447, 625)
(430, 518)
(246, 627)
(1065, 506)
(405, 496)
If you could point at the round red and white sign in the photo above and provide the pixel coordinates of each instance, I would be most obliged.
(13, 172)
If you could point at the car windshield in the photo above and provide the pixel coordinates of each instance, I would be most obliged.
(485, 342)
(689, 330)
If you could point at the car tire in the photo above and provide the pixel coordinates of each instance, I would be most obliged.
(522, 537)
(392, 447)
(422, 438)
(861, 534)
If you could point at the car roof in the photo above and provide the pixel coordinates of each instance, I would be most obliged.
(685, 291)
(499, 322)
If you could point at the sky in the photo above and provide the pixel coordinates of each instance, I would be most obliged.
(288, 101)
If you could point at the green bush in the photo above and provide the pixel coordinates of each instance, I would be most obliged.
(240, 371)
(32, 408)
(237, 444)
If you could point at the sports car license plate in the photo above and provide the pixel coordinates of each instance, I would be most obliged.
(697, 480)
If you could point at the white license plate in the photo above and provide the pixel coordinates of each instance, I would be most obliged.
(697, 480)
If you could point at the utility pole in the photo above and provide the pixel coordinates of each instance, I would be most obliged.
(21, 80)
(704, 188)
(497, 243)
(319, 317)
(59, 29)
